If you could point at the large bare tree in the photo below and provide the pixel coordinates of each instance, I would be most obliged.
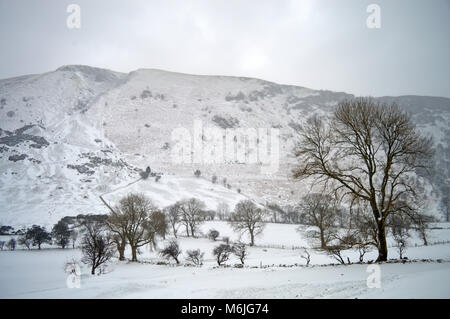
(137, 209)
(367, 152)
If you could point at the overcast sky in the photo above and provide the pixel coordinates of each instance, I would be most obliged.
(321, 44)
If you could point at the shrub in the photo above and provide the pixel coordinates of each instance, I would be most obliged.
(146, 173)
(222, 253)
(213, 234)
(195, 257)
(172, 250)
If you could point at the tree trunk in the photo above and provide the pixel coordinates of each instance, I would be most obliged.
(121, 249)
(382, 244)
(424, 237)
(322, 239)
(133, 253)
(174, 231)
(252, 239)
(192, 230)
(93, 270)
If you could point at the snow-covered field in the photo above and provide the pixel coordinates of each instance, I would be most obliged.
(274, 269)
(40, 275)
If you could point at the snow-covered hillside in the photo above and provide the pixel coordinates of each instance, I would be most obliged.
(70, 135)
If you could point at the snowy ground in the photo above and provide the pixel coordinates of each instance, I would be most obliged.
(40, 274)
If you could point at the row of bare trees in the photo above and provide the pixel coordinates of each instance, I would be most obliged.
(136, 221)
(221, 253)
(247, 217)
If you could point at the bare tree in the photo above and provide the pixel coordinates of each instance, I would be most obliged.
(136, 209)
(38, 235)
(158, 226)
(400, 226)
(367, 152)
(195, 257)
(361, 231)
(192, 214)
(159, 222)
(73, 237)
(320, 211)
(172, 250)
(223, 211)
(173, 213)
(240, 251)
(96, 246)
(25, 241)
(248, 218)
(11, 244)
(2, 245)
(61, 234)
(121, 243)
(135, 221)
(421, 224)
(118, 225)
(222, 253)
(306, 256)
